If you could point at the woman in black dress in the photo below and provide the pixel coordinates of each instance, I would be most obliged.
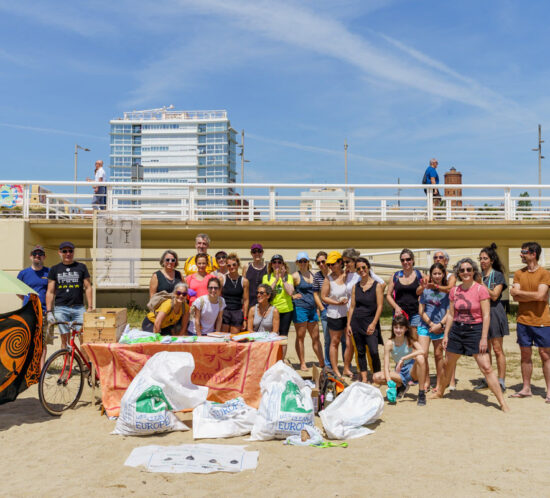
(367, 299)
(167, 278)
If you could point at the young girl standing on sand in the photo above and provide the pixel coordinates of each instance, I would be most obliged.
(409, 357)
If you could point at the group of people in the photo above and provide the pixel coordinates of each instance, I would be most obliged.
(459, 311)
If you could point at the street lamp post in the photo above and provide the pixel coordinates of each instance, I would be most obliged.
(539, 150)
(76, 147)
(346, 160)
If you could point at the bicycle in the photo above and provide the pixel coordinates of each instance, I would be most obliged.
(62, 378)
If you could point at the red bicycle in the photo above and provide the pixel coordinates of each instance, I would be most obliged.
(62, 378)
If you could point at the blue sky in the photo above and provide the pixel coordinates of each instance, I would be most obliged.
(402, 81)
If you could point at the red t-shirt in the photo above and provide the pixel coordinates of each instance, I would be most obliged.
(467, 303)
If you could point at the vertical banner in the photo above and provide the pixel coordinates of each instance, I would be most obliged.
(118, 250)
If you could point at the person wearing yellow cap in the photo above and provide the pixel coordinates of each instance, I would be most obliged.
(334, 294)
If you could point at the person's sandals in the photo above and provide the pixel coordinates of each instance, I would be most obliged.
(520, 395)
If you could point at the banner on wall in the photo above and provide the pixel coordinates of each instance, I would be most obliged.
(118, 250)
(11, 195)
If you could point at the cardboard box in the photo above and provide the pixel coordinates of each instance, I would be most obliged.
(104, 325)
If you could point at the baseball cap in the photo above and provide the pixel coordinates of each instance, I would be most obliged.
(70, 245)
(333, 256)
(302, 255)
(277, 256)
(256, 246)
(37, 248)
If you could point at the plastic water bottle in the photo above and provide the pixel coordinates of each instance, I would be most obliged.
(391, 392)
(329, 398)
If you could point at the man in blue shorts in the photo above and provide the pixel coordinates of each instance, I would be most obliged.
(530, 290)
(36, 277)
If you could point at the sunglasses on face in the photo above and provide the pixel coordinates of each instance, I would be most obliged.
(320, 262)
(169, 260)
(331, 264)
(302, 261)
(261, 293)
(465, 270)
(276, 262)
(256, 251)
(67, 251)
(525, 251)
(232, 265)
(179, 293)
(347, 261)
(221, 257)
(361, 268)
(213, 288)
(38, 254)
(406, 260)
(439, 257)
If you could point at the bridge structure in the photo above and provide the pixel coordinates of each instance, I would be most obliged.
(285, 218)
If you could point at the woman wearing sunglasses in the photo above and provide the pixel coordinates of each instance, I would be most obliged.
(235, 293)
(402, 295)
(172, 316)
(305, 315)
(198, 282)
(221, 260)
(263, 317)
(467, 332)
(283, 287)
(493, 273)
(334, 294)
(367, 300)
(168, 277)
(254, 271)
(207, 310)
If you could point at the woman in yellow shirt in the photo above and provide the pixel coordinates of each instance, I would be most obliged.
(172, 316)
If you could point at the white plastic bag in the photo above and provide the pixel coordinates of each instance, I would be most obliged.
(232, 418)
(358, 405)
(163, 385)
(286, 406)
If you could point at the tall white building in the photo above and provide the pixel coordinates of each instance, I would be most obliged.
(168, 146)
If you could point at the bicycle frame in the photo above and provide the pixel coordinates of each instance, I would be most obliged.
(74, 348)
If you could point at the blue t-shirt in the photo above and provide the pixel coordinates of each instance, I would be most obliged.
(37, 280)
(431, 172)
(435, 305)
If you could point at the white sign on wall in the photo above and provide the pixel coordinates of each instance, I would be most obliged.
(118, 257)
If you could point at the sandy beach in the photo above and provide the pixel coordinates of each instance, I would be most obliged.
(459, 446)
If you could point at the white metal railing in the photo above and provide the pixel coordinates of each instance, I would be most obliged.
(276, 202)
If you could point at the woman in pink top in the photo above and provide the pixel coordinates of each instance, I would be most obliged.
(467, 333)
(199, 281)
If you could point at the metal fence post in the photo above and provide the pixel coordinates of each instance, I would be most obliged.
(26, 202)
(430, 203)
(351, 204)
(317, 210)
(383, 210)
(250, 210)
(507, 204)
(271, 203)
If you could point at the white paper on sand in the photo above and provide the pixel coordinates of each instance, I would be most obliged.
(195, 458)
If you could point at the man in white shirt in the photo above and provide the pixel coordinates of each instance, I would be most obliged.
(100, 198)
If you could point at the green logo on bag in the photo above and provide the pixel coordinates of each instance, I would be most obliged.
(292, 399)
(152, 400)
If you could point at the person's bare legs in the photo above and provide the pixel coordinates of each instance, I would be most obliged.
(419, 371)
(450, 365)
(424, 341)
(545, 358)
(439, 362)
(492, 381)
(526, 370)
(500, 357)
(299, 343)
(313, 329)
(348, 355)
(335, 336)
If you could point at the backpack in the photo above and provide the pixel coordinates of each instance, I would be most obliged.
(157, 299)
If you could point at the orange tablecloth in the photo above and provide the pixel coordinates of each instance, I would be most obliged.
(227, 369)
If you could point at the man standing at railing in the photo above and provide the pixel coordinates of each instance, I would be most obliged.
(431, 177)
(100, 198)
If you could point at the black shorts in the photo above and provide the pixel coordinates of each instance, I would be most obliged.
(233, 318)
(464, 338)
(336, 324)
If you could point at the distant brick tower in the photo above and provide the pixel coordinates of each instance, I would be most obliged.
(453, 177)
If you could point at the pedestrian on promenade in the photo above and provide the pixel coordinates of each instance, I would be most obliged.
(530, 290)
(99, 200)
(432, 178)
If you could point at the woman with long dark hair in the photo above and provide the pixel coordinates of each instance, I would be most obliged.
(493, 273)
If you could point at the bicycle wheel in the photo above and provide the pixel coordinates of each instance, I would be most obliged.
(58, 388)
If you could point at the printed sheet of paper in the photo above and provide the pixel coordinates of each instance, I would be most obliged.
(194, 458)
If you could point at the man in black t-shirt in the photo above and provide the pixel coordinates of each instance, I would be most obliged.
(67, 282)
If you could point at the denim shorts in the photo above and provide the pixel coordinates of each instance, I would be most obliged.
(529, 335)
(301, 315)
(415, 320)
(68, 314)
(405, 372)
(423, 331)
(464, 338)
